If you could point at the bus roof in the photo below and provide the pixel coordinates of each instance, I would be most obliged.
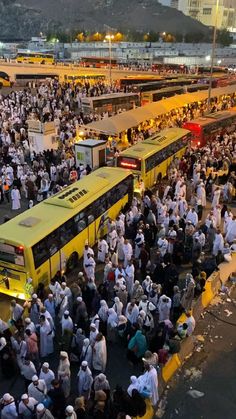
(154, 143)
(34, 224)
(208, 119)
(108, 96)
(167, 136)
(140, 150)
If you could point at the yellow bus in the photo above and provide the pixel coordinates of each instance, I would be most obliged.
(5, 80)
(50, 237)
(150, 159)
(35, 57)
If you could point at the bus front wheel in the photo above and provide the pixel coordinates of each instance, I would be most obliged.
(72, 261)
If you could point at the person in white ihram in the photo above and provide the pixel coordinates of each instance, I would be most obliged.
(37, 389)
(15, 197)
(27, 406)
(47, 375)
(8, 407)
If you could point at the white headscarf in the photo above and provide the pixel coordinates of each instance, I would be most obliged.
(112, 318)
(103, 311)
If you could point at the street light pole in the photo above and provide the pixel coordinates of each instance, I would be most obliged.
(212, 56)
(109, 38)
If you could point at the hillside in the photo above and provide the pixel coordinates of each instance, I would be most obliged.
(25, 18)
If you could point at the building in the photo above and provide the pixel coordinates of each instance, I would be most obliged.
(170, 3)
(205, 11)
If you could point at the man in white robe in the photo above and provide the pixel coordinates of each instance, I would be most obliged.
(164, 306)
(37, 389)
(218, 243)
(216, 197)
(139, 241)
(46, 337)
(102, 250)
(231, 231)
(84, 381)
(27, 406)
(128, 252)
(47, 375)
(89, 266)
(64, 372)
(100, 354)
(8, 410)
(149, 381)
(129, 277)
(201, 194)
(192, 217)
(15, 197)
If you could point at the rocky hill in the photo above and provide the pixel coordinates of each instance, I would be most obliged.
(25, 18)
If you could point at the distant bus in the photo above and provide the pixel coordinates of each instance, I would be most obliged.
(161, 84)
(81, 78)
(130, 80)
(150, 159)
(25, 79)
(98, 62)
(5, 80)
(216, 69)
(35, 57)
(206, 128)
(110, 103)
(154, 96)
(51, 235)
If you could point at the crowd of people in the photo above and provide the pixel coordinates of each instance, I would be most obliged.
(165, 235)
(155, 260)
(25, 173)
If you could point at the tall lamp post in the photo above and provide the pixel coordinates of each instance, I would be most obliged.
(213, 56)
(109, 38)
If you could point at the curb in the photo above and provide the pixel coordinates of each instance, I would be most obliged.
(213, 284)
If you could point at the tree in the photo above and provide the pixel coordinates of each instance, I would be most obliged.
(118, 37)
(224, 38)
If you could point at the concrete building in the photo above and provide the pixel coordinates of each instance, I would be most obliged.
(205, 11)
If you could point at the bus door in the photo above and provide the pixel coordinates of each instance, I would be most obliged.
(54, 264)
(54, 253)
(91, 237)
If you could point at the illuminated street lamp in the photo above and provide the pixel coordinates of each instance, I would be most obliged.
(208, 58)
(109, 38)
(213, 56)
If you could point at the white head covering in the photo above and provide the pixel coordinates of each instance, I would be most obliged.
(35, 378)
(84, 364)
(24, 396)
(112, 317)
(7, 397)
(40, 407)
(69, 409)
(45, 365)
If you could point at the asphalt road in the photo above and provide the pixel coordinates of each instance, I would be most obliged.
(17, 68)
(217, 368)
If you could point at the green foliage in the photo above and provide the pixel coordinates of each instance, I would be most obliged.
(224, 38)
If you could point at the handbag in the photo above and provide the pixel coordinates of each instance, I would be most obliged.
(47, 402)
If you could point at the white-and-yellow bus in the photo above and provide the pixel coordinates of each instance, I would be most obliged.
(51, 236)
(35, 57)
(150, 159)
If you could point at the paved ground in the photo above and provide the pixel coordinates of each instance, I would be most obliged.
(216, 365)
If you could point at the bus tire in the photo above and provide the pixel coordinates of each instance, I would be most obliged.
(72, 262)
(43, 62)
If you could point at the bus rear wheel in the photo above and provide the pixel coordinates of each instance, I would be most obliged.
(72, 262)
